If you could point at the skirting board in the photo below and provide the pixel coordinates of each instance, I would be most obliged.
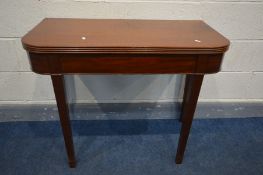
(124, 111)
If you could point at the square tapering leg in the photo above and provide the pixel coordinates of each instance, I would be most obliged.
(60, 93)
(186, 86)
(191, 92)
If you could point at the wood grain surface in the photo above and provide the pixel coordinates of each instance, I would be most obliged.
(62, 35)
(84, 46)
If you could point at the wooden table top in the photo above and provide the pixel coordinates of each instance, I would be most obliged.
(60, 35)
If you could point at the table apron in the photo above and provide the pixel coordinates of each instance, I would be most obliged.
(60, 63)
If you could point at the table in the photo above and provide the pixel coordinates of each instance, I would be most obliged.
(59, 46)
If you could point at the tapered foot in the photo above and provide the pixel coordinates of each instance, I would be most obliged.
(178, 160)
(72, 164)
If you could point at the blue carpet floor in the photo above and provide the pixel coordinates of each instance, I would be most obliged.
(134, 147)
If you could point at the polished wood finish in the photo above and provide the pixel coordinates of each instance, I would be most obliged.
(95, 46)
(124, 36)
(60, 93)
(191, 93)
(184, 104)
(50, 63)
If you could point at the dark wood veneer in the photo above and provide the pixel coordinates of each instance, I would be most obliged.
(99, 46)
(50, 63)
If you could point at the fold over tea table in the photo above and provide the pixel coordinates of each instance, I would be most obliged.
(116, 46)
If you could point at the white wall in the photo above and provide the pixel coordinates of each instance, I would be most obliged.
(241, 78)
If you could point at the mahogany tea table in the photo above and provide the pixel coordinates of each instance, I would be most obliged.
(58, 46)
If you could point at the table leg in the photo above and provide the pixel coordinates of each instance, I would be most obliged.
(186, 87)
(60, 93)
(192, 89)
